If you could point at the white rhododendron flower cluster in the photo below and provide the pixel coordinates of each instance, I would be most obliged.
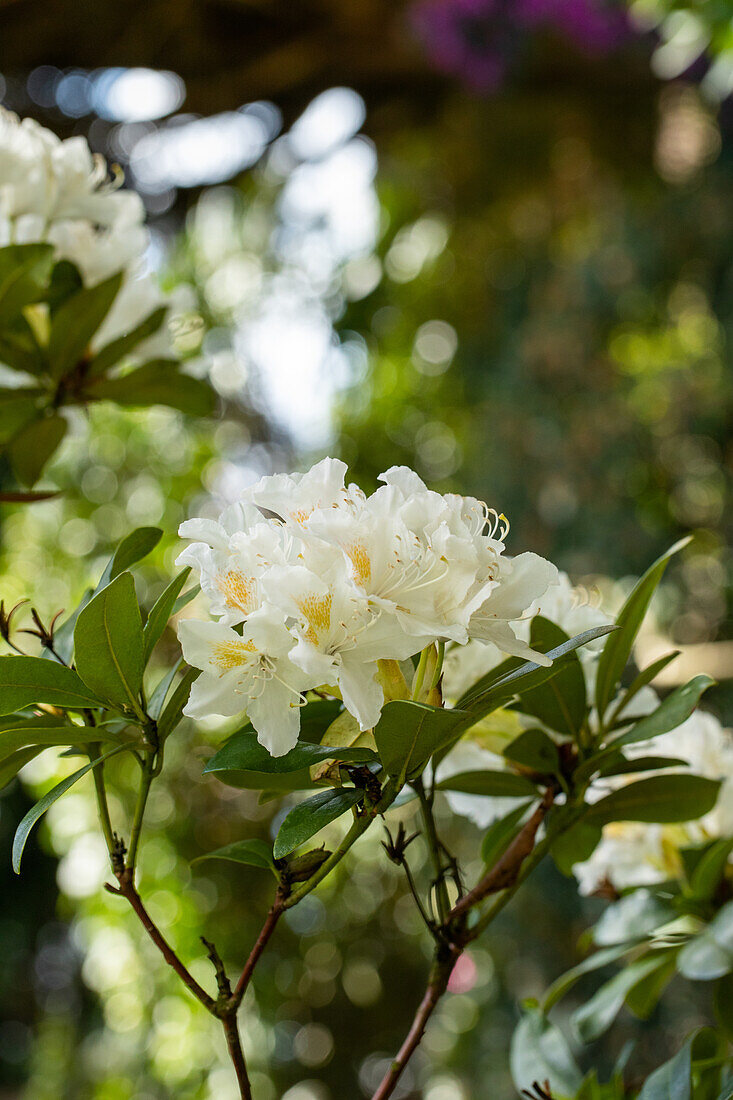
(313, 583)
(60, 193)
(637, 854)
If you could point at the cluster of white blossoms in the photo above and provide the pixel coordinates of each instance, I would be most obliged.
(313, 583)
(60, 193)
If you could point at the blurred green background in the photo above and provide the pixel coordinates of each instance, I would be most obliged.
(491, 240)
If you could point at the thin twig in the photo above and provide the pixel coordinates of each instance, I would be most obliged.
(276, 911)
(234, 1043)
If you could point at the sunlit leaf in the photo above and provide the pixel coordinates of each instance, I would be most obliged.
(26, 680)
(108, 644)
(309, 817)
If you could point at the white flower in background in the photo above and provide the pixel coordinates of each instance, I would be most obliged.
(351, 580)
(61, 193)
(633, 854)
(250, 672)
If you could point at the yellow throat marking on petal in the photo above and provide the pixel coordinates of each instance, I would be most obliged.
(317, 612)
(301, 515)
(359, 559)
(229, 655)
(237, 589)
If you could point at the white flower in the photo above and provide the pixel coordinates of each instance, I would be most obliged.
(251, 673)
(354, 580)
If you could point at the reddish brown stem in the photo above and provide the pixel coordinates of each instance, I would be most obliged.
(234, 1043)
(276, 911)
(127, 890)
(506, 869)
(437, 986)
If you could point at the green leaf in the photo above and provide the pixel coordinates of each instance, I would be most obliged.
(24, 272)
(37, 811)
(566, 981)
(710, 869)
(484, 698)
(113, 352)
(644, 997)
(65, 281)
(498, 784)
(243, 752)
(676, 709)
(673, 1080)
(539, 1052)
(30, 735)
(76, 322)
(161, 612)
(255, 853)
(632, 918)
(618, 646)
(309, 817)
(160, 693)
(10, 767)
(133, 548)
(31, 448)
(575, 845)
(619, 765)
(408, 734)
(158, 382)
(186, 598)
(596, 1015)
(501, 833)
(19, 348)
(645, 677)
(536, 750)
(723, 1004)
(27, 680)
(559, 702)
(173, 710)
(660, 798)
(108, 644)
(710, 954)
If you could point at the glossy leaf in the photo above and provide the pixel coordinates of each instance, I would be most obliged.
(173, 710)
(710, 954)
(672, 1081)
(76, 322)
(660, 798)
(560, 701)
(498, 784)
(408, 734)
(27, 680)
(309, 817)
(646, 676)
(617, 649)
(158, 382)
(133, 548)
(108, 644)
(255, 853)
(536, 750)
(539, 1052)
(243, 752)
(566, 981)
(672, 712)
(37, 811)
(633, 917)
(596, 1015)
(34, 445)
(160, 692)
(10, 767)
(161, 612)
(29, 735)
(113, 352)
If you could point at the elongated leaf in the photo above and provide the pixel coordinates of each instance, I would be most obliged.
(34, 445)
(661, 798)
(501, 833)
(577, 844)
(255, 853)
(173, 710)
(534, 749)
(673, 1080)
(161, 612)
(9, 768)
(676, 709)
(37, 811)
(158, 382)
(497, 784)
(618, 646)
(621, 766)
(408, 734)
(65, 281)
(527, 676)
(644, 997)
(243, 752)
(309, 817)
(27, 680)
(76, 321)
(597, 1014)
(108, 644)
(113, 352)
(133, 548)
(710, 869)
(185, 599)
(24, 272)
(160, 693)
(632, 918)
(566, 981)
(560, 701)
(645, 677)
(29, 735)
(710, 954)
(539, 1052)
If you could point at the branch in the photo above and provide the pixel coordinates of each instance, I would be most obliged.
(506, 870)
(127, 890)
(276, 911)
